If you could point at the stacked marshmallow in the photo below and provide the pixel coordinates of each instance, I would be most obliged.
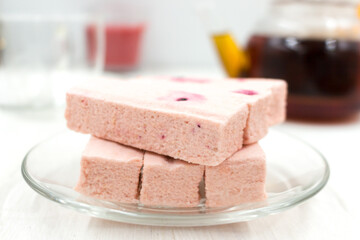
(154, 141)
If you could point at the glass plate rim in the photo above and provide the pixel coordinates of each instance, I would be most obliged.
(206, 219)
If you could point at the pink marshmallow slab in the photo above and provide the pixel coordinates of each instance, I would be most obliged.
(266, 100)
(276, 110)
(170, 182)
(275, 89)
(239, 179)
(198, 121)
(110, 171)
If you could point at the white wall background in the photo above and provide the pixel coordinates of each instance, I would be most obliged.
(175, 36)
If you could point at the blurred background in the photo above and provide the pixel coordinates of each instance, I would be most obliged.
(176, 35)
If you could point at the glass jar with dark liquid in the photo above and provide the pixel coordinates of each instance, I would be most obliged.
(315, 47)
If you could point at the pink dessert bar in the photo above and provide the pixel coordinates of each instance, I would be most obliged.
(199, 121)
(170, 182)
(110, 171)
(239, 179)
(266, 100)
(276, 110)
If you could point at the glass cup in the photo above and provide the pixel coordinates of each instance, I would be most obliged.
(41, 56)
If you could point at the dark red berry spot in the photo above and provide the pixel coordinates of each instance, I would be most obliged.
(199, 126)
(162, 136)
(181, 96)
(246, 92)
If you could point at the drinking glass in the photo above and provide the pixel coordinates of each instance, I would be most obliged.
(41, 56)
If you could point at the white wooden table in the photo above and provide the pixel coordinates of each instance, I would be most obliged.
(332, 214)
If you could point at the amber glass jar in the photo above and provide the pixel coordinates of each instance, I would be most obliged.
(315, 47)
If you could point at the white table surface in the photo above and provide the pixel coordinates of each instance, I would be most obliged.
(334, 213)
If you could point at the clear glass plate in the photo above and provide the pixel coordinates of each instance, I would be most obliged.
(295, 172)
